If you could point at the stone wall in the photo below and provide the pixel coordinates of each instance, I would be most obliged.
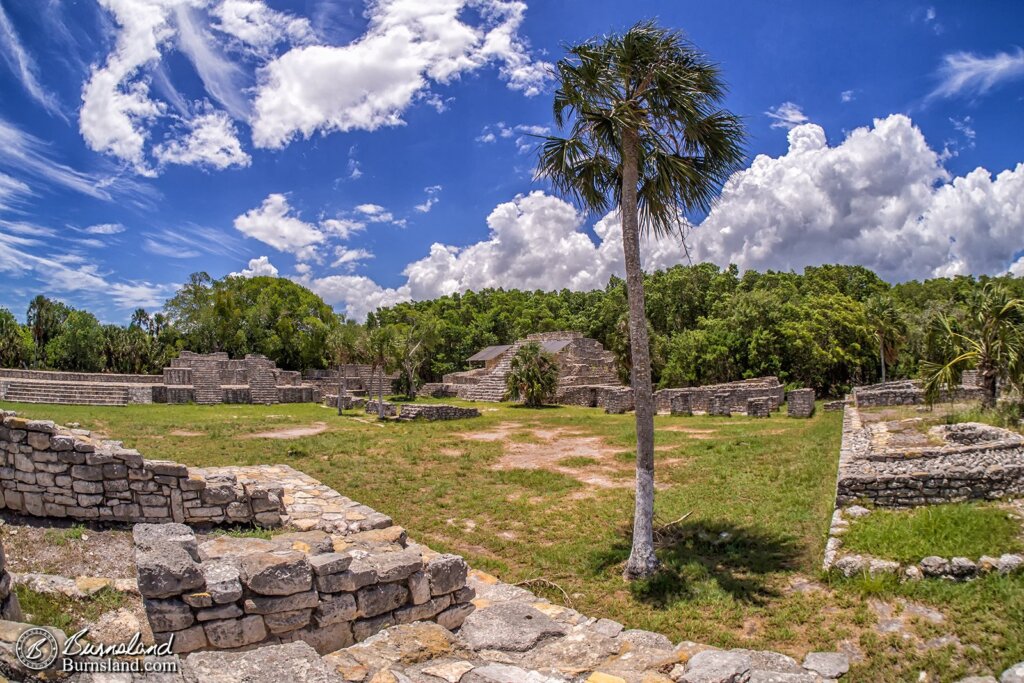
(435, 411)
(735, 393)
(975, 462)
(800, 403)
(390, 409)
(911, 392)
(613, 398)
(759, 407)
(231, 593)
(10, 610)
(51, 471)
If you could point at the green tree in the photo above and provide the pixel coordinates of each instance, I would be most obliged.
(379, 351)
(532, 377)
(647, 136)
(889, 327)
(345, 344)
(16, 346)
(45, 317)
(414, 340)
(79, 347)
(989, 338)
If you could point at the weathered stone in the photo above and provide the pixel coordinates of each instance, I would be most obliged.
(323, 639)
(877, 567)
(827, 664)
(716, 666)
(364, 628)
(934, 566)
(276, 573)
(222, 581)
(1010, 563)
(261, 604)
(167, 570)
(447, 573)
(962, 568)
(1015, 674)
(359, 574)
(187, 640)
(374, 600)
(294, 662)
(648, 639)
(230, 633)
(282, 622)
(419, 587)
(148, 536)
(226, 547)
(198, 600)
(851, 565)
(427, 610)
(168, 615)
(229, 611)
(453, 617)
(314, 542)
(334, 609)
(330, 562)
(396, 566)
(509, 627)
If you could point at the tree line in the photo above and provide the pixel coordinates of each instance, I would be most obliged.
(830, 327)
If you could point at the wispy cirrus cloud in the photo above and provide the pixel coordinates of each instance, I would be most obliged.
(24, 67)
(966, 74)
(787, 115)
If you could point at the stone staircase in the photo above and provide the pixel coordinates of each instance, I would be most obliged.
(206, 382)
(99, 393)
(492, 386)
(262, 381)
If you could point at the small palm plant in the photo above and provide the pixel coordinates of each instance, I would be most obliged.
(990, 339)
(532, 376)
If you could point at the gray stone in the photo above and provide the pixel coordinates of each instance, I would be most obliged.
(398, 566)
(507, 673)
(167, 570)
(282, 622)
(856, 511)
(230, 633)
(1015, 674)
(447, 573)
(827, 664)
(330, 563)
(978, 679)
(276, 573)
(962, 568)
(334, 609)
(606, 628)
(453, 617)
(380, 598)
(851, 565)
(222, 582)
(716, 666)
(187, 640)
(429, 609)
(640, 638)
(261, 604)
(295, 662)
(762, 676)
(168, 615)
(509, 627)
(934, 566)
(419, 587)
(877, 567)
(1010, 563)
(313, 542)
(229, 611)
(359, 574)
(148, 536)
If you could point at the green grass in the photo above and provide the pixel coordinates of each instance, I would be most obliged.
(62, 536)
(67, 614)
(759, 492)
(957, 530)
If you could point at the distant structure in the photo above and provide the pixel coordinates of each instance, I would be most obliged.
(360, 382)
(911, 392)
(205, 379)
(722, 399)
(586, 373)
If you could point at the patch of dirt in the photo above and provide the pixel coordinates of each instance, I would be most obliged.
(185, 432)
(292, 432)
(453, 452)
(52, 547)
(691, 432)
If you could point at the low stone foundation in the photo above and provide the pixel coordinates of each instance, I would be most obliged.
(800, 403)
(52, 471)
(231, 593)
(759, 407)
(735, 393)
(390, 409)
(910, 392)
(835, 406)
(435, 411)
(613, 398)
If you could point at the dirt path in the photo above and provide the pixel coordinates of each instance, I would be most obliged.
(292, 432)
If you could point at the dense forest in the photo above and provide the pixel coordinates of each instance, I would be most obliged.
(830, 327)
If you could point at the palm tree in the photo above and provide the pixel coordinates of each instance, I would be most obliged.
(990, 339)
(532, 376)
(646, 136)
(378, 349)
(345, 343)
(889, 327)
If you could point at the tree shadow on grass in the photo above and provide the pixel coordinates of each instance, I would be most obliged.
(702, 558)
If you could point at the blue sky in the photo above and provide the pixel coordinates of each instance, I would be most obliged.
(382, 152)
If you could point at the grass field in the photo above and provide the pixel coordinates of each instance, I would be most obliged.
(547, 494)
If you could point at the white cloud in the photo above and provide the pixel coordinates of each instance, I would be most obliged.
(259, 27)
(24, 67)
(486, 137)
(848, 96)
(273, 223)
(965, 127)
(1017, 268)
(348, 258)
(12, 190)
(786, 115)
(342, 227)
(258, 267)
(432, 199)
(407, 46)
(104, 229)
(168, 249)
(880, 199)
(222, 78)
(211, 141)
(965, 73)
(375, 213)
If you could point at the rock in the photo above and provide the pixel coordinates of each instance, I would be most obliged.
(380, 598)
(114, 627)
(453, 617)
(330, 563)
(419, 587)
(451, 672)
(770, 661)
(230, 633)
(277, 573)
(166, 570)
(187, 640)
(282, 622)
(509, 627)
(447, 573)
(851, 565)
(978, 679)
(827, 664)
(293, 662)
(506, 673)
(333, 609)
(856, 511)
(639, 638)
(716, 666)
(762, 676)
(606, 628)
(263, 604)
(227, 547)
(1015, 674)
(877, 567)
(310, 542)
(222, 581)
(988, 564)
(962, 568)
(10, 631)
(934, 566)
(228, 611)
(149, 536)
(168, 615)
(1010, 563)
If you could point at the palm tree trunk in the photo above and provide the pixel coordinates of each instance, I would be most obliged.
(341, 388)
(881, 356)
(989, 389)
(412, 382)
(642, 560)
(380, 395)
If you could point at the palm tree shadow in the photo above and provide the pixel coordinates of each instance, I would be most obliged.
(739, 561)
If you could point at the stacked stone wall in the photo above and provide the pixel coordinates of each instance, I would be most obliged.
(390, 409)
(231, 593)
(800, 403)
(76, 377)
(50, 471)
(759, 407)
(911, 392)
(735, 393)
(435, 411)
(10, 610)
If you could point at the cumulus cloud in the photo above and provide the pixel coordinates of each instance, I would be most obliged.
(406, 47)
(211, 141)
(881, 198)
(274, 224)
(968, 74)
(786, 115)
(258, 27)
(258, 267)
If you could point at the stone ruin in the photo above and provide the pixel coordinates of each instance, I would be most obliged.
(719, 399)
(230, 593)
(361, 382)
(906, 392)
(892, 464)
(587, 373)
(800, 403)
(431, 412)
(52, 471)
(204, 379)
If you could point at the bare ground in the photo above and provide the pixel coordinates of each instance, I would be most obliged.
(292, 432)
